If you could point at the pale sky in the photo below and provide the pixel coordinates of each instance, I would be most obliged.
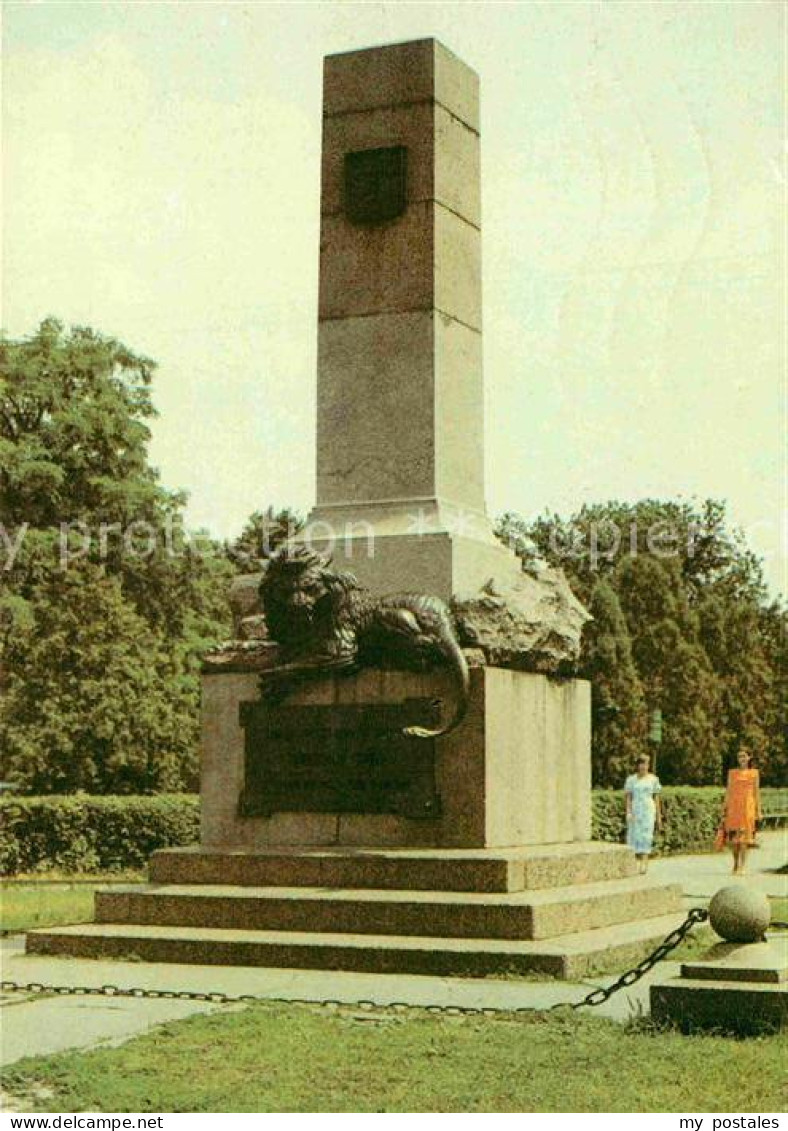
(161, 183)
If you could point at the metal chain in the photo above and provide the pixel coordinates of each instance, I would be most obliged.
(596, 997)
(669, 943)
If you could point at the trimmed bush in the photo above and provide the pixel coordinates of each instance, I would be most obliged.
(690, 818)
(84, 833)
(775, 806)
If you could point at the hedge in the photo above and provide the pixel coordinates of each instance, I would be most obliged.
(86, 833)
(83, 833)
(691, 816)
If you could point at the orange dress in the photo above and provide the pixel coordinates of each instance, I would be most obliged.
(741, 806)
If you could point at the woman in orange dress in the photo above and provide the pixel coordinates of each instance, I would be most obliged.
(742, 809)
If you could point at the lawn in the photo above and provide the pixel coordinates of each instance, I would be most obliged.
(301, 1059)
(46, 902)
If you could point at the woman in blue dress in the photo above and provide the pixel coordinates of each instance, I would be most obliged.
(644, 812)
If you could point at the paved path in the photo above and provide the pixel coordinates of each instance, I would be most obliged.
(45, 1025)
(702, 875)
(33, 1027)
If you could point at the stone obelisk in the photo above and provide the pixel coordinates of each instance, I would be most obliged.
(400, 413)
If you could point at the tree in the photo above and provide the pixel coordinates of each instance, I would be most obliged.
(774, 634)
(591, 543)
(708, 648)
(73, 430)
(109, 602)
(676, 673)
(618, 707)
(263, 533)
(94, 700)
(738, 649)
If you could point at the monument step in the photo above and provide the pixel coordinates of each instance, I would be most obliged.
(510, 915)
(575, 956)
(481, 870)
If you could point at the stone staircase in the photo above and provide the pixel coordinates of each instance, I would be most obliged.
(563, 910)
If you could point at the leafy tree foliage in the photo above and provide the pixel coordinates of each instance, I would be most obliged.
(708, 647)
(773, 632)
(591, 543)
(95, 699)
(676, 672)
(617, 699)
(108, 602)
(73, 431)
(264, 531)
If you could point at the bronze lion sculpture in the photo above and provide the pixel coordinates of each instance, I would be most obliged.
(325, 621)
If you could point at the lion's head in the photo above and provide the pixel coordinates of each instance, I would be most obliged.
(302, 595)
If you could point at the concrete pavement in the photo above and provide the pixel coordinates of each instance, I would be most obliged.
(702, 875)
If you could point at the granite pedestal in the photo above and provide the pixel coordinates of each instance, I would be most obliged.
(502, 877)
(516, 773)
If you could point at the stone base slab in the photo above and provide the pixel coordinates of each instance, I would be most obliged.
(494, 915)
(498, 927)
(482, 870)
(439, 562)
(745, 1008)
(737, 962)
(582, 955)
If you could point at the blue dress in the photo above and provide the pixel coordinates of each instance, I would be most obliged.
(640, 830)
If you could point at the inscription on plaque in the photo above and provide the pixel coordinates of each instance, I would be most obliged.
(347, 758)
(375, 184)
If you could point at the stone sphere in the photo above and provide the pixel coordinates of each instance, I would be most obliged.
(740, 914)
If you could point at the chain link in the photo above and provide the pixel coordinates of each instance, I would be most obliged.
(217, 997)
(669, 943)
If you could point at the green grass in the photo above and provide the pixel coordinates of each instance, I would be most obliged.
(270, 1059)
(25, 905)
(297, 1059)
(695, 944)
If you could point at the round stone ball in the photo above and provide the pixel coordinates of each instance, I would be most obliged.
(740, 914)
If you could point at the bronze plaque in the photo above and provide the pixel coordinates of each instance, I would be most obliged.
(375, 184)
(349, 758)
